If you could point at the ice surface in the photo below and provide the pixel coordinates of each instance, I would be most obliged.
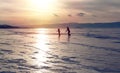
(43, 51)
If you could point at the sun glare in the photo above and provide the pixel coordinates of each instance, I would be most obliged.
(43, 10)
(41, 40)
(43, 5)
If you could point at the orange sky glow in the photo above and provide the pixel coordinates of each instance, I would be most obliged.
(38, 12)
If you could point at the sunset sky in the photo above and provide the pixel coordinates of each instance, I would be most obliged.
(37, 12)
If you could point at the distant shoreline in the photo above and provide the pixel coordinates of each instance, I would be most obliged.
(71, 25)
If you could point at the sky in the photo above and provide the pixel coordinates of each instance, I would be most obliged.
(39, 12)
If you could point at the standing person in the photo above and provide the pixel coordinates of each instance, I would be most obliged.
(68, 30)
(59, 31)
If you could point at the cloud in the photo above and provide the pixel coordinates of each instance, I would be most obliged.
(69, 15)
(97, 6)
(90, 10)
(81, 14)
(13, 4)
(92, 4)
(56, 15)
(94, 15)
(7, 10)
(103, 10)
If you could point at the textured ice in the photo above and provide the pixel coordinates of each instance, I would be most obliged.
(43, 51)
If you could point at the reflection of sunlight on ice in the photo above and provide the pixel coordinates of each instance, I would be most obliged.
(41, 40)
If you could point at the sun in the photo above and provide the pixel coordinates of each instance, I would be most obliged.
(42, 10)
(43, 5)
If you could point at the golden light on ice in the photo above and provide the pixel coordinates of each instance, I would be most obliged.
(41, 40)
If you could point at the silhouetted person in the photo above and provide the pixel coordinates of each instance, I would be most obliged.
(59, 32)
(68, 31)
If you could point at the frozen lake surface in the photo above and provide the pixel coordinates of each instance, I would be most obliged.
(43, 51)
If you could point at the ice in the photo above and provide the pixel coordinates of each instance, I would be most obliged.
(43, 51)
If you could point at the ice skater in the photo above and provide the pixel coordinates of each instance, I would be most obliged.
(59, 31)
(68, 31)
